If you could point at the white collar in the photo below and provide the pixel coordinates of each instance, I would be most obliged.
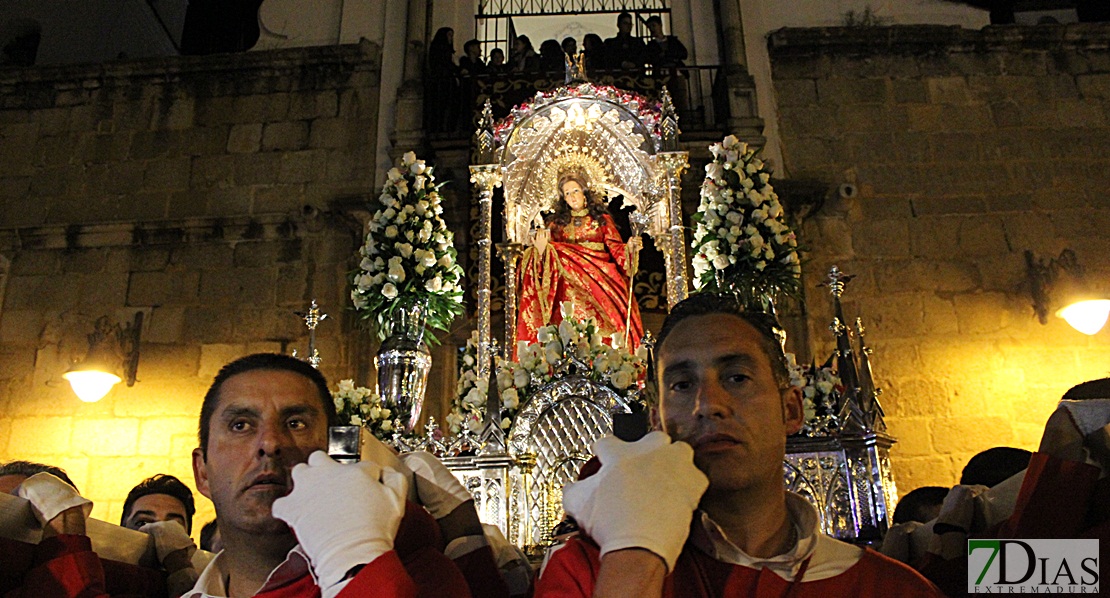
(828, 557)
(211, 584)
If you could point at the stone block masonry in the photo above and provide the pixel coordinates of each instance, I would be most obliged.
(968, 148)
(200, 191)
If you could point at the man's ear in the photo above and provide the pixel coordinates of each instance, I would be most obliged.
(200, 472)
(793, 414)
(654, 418)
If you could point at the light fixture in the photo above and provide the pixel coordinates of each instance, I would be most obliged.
(1061, 282)
(113, 357)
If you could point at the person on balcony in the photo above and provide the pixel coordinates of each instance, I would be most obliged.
(595, 53)
(442, 82)
(523, 58)
(579, 257)
(625, 51)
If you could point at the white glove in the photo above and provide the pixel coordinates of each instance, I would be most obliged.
(343, 515)
(49, 496)
(1089, 415)
(439, 490)
(643, 496)
(956, 520)
(169, 537)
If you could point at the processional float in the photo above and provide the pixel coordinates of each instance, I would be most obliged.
(628, 147)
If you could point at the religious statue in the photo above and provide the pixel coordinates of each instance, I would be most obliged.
(578, 256)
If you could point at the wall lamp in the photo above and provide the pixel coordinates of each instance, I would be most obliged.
(1060, 283)
(113, 357)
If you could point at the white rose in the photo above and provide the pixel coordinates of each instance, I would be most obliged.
(418, 168)
(389, 291)
(566, 308)
(543, 335)
(387, 426)
(720, 262)
(521, 378)
(475, 397)
(356, 420)
(393, 174)
(510, 399)
(404, 248)
(504, 378)
(567, 332)
(396, 270)
(552, 353)
(390, 231)
(620, 379)
(408, 159)
(434, 285)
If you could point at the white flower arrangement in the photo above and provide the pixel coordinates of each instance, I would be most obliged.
(536, 364)
(470, 393)
(741, 240)
(408, 253)
(361, 406)
(821, 392)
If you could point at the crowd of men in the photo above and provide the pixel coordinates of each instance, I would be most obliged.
(695, 508)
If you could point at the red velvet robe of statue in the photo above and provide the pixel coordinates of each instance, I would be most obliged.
(585, 264)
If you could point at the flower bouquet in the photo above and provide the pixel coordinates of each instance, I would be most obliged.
(821, 392)
(408, 256)
(361, 406)
(538, 363)
(742, 243)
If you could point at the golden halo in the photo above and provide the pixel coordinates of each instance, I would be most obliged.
(595, 174)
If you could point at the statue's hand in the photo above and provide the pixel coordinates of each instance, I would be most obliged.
(635, 244)
(543, 236)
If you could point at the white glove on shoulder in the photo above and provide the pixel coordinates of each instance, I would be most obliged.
(343, 515)
(49, 496)
(1089, 415)
(169, 537)
(438, 489)
(644, 495)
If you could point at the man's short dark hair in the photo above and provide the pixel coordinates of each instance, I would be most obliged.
(207, 532)
(624, 15)
(30, 468)
(261, 361)
(994, 466)
(161, 484)
(921, 504)
(470, 43)
(704, 304)
(654, 19)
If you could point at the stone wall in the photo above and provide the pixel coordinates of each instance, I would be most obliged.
(967, 148)
(211, 194)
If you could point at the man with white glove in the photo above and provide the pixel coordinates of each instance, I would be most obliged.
(657, 482)
(175, 550)
(346, 515)
(64, 562)
(292, 529)
(452, 506)
(655, 527)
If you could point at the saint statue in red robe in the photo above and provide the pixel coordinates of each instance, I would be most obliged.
(581, 258)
